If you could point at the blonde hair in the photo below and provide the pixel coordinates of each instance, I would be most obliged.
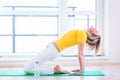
(94, 42)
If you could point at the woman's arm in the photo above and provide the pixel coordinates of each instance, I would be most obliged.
(81, 56)
(80, 59)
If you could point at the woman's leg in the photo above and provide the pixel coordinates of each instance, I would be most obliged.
(47, 54)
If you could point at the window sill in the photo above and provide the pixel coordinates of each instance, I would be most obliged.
(12, 59)
(17, 60)
(63, 61)
(86, 58)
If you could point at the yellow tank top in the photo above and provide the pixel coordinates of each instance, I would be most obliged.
(71, 38)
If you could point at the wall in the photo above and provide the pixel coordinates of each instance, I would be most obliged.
(114, 31)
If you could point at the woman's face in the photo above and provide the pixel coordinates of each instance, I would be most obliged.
(92, 30)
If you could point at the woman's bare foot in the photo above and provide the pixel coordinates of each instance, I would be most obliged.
(57, 69)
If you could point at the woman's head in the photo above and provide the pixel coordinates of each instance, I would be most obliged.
(93, 39)
(92, 31)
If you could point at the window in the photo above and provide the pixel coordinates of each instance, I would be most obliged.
(24, 32)
(27, 25)
(84, 14)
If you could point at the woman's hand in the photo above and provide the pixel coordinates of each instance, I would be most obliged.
(77, 71)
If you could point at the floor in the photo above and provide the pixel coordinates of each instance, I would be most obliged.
(112, 72)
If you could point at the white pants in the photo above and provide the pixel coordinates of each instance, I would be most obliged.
(48, 53)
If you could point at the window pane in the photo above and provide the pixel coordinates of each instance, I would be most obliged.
(72, 51)
(28, 2)
(92, 23)
(5, 8)
(92, 16)
(81, 17)
(32, 43)
(80, 24)
(5, 25)
(83, 5)
(36, 25)
(5, 44)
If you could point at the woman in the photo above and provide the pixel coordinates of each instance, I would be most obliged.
(71, 38)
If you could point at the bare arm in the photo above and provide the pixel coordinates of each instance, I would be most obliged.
(81, 57)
